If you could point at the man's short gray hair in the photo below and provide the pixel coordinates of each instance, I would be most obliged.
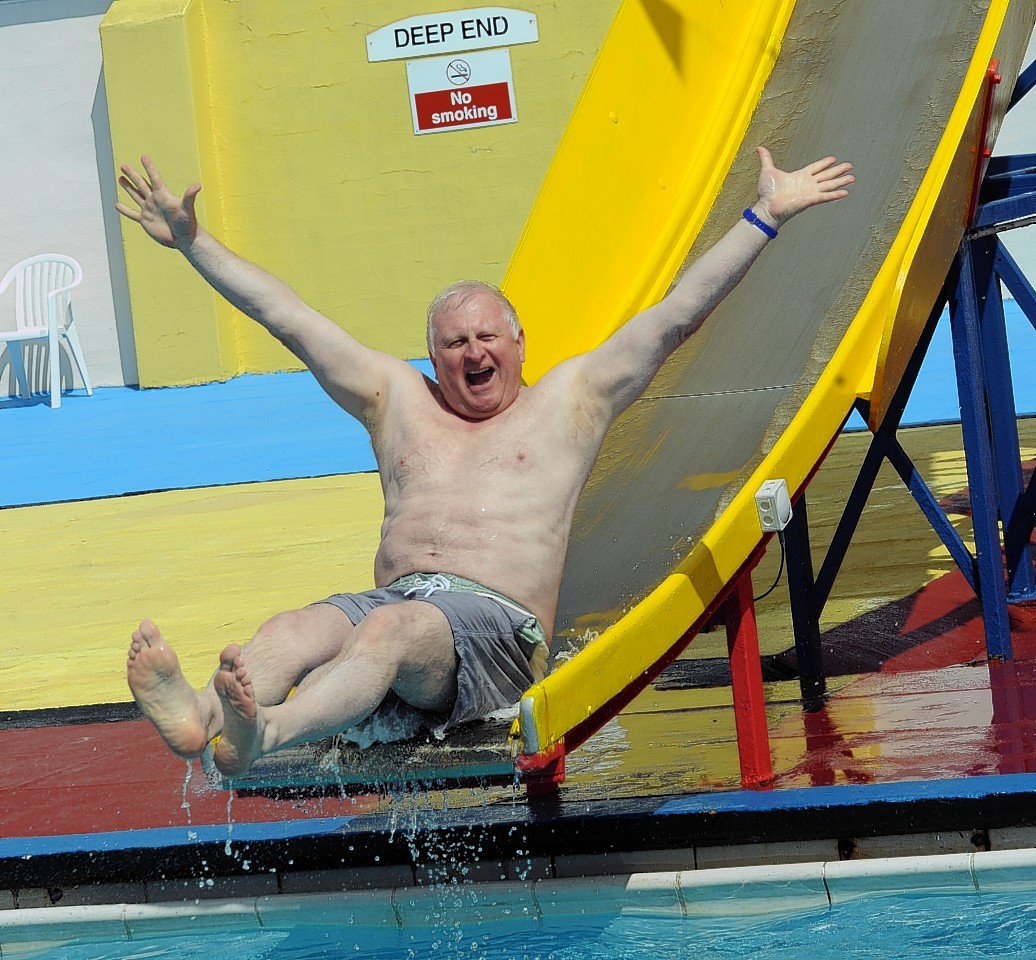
(457, 294)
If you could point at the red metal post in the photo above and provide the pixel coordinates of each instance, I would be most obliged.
(746, 680)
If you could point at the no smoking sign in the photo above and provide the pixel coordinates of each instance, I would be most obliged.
(464, 90)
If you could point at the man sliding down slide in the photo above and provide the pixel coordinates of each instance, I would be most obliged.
(480, 475)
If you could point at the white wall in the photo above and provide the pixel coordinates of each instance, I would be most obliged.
(54, 196)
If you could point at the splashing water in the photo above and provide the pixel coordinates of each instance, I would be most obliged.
(230, 823)
(185, 803)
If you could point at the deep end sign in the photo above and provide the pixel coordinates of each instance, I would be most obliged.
(436, 34)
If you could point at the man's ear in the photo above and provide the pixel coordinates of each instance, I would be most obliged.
(521, 345)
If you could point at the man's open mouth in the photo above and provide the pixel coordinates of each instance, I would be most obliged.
(479, 377)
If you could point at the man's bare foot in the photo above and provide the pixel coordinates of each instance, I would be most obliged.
(163, 693)
(242, 739)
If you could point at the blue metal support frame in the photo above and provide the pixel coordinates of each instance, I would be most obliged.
(1019, 525)
(805, 616)
(885, 446)
(808, 596)
(986, 381)
(1016, 522)
(999, 500)
(979, 453)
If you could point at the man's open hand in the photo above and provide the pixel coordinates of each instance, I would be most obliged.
(165, 217)
(782, 195)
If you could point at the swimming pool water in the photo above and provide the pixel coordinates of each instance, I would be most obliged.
(919, 926)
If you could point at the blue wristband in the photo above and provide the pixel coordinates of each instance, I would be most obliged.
(750, 216)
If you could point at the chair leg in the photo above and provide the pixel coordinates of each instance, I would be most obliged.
(54, 345)
(72, 337)
(14, 351)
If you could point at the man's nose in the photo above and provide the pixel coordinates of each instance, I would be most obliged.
(472, 350)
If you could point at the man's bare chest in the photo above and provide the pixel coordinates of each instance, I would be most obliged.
(455, 454)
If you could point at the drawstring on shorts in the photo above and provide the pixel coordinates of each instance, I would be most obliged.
(433, 584)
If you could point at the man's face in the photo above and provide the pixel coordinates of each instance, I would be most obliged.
(478, 361)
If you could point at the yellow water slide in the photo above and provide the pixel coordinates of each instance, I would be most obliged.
(657, 162)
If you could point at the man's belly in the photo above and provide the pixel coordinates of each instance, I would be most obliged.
(525, 568)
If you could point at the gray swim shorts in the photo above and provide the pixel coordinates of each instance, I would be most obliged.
(501, 647)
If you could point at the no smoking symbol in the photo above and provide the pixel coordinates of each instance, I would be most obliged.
(458, 72)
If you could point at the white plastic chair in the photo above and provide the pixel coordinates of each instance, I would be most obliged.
(43, 313)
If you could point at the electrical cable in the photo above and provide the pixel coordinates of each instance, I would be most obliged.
(780, 570)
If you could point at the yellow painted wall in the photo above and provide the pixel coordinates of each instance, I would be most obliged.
(311, 168)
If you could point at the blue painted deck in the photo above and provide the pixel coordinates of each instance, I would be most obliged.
(282, 426)
(123, 440)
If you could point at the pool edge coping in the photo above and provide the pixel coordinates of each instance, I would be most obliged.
(755, 890)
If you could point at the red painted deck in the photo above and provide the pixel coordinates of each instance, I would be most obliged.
(930, 708)
(108, 777)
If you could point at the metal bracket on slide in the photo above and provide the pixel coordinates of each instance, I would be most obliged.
(983, 150)
(542, 773)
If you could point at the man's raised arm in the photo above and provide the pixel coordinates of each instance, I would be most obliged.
(621, 368)
(349, 372)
